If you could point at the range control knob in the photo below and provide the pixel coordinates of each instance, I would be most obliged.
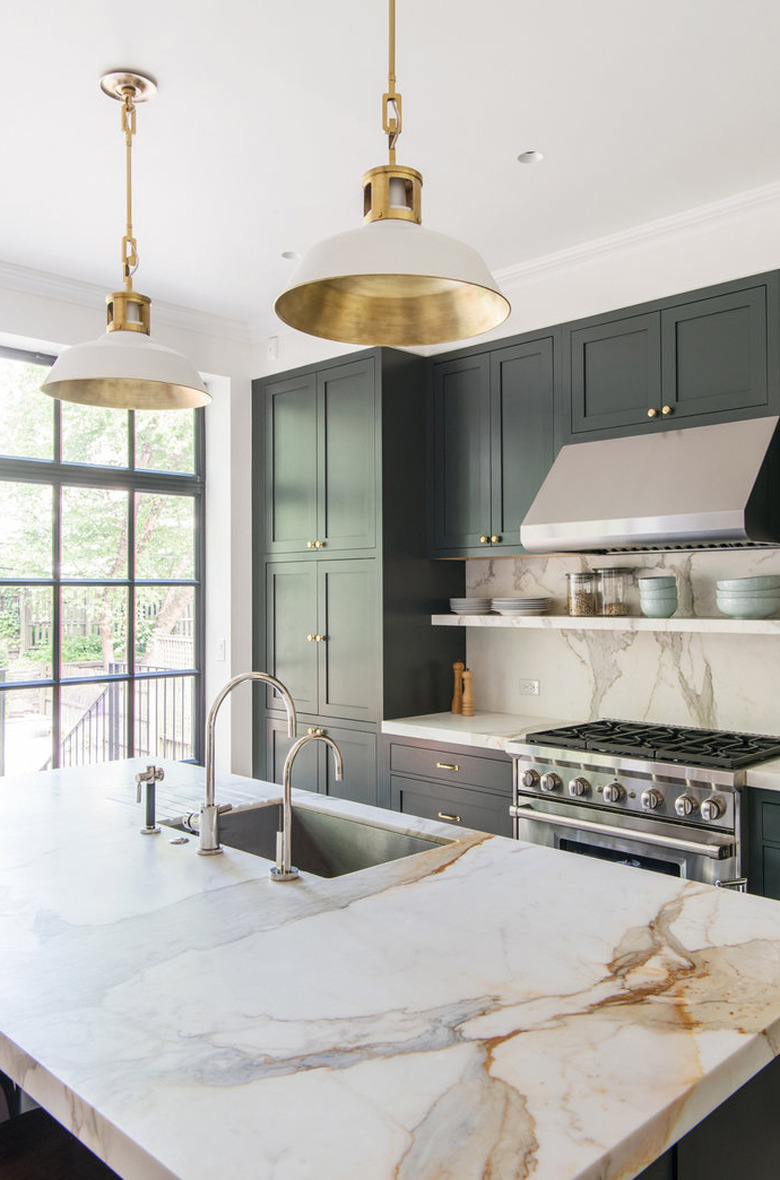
(550, 782)
(529, 779)
(651, 798)
(685, 805)
(712, 809)
(579, 786)
(614, 793)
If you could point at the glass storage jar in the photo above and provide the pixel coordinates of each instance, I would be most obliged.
(581, 594)
(613, 590)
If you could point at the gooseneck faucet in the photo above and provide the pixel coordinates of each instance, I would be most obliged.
(283, 870)
(210, 811)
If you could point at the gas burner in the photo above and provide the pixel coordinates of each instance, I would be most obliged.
(664, 743)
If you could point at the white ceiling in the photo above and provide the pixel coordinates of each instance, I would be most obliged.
(268, 114)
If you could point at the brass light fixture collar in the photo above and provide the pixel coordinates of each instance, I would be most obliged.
(392, 191)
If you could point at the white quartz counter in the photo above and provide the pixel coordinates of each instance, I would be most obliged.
(485, 1008)
(492, 731)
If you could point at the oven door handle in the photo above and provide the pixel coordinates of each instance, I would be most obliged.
(718, 850)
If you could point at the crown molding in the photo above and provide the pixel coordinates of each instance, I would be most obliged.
(645, 234)
(64, 290)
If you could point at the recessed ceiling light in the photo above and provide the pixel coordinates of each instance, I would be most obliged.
(531, 157)
(291, 255)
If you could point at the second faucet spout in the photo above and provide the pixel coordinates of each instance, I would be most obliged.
(284, 870)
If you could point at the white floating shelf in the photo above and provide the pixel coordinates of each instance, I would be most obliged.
(720, 626)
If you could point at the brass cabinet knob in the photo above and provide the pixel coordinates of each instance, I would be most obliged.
(494, 540)
(309, 544)
(318, 638)
(483, 540)
(666, 410)
(652, 413)
(314, 732)
(310, 638)
(319, 544)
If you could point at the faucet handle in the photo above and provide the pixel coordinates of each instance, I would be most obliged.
(152, 774)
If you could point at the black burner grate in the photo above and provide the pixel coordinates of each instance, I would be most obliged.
(662, 743)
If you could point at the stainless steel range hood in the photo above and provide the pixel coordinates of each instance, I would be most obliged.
(703, 486)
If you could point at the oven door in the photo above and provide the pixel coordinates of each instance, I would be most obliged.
(675, 849)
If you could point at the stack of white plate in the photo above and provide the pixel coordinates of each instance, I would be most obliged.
(470, 606)
(521, 606)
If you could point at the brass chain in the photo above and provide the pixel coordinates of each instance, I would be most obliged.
(391, 101)
(129, 246)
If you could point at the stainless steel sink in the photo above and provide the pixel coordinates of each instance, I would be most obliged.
(323, 844)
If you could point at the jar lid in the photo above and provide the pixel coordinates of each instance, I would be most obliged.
(588, 576)
(621, 570)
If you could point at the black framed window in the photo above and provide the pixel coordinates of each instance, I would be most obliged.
(101, 578)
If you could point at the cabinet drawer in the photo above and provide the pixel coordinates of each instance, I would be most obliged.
(452, 766)
(459, 806)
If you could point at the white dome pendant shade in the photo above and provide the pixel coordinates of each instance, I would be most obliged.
(390, 281)
(127, 371)
(125, 368)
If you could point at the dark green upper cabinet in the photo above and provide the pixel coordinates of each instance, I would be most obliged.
(710, 356)
(321, 445)
(461, 458)
(492, 446)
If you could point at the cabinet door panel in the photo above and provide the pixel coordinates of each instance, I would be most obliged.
(358, 751)
(715, 353)
(615, 373)
(456, 805)
(347, 511)
(291, 613)
(461, 460)
(522, 434)
(349, 620)
(291, 464)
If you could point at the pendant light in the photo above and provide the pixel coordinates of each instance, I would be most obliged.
(391, 281)
(125, 368)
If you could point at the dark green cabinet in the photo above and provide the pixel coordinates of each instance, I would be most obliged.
(322, 639)
(313, 769)
(763, 840)
(451, 784)
(708, 356)
(492, 445)
(343, 586)
(321, 461)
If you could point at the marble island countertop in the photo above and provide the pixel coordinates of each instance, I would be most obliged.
(485, 1008)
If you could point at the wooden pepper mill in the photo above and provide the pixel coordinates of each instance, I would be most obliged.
(457, 696)
(468, 694)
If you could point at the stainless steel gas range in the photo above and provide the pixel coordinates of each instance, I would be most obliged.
(659, 797)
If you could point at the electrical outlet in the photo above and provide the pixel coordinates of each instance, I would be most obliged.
(529, 688)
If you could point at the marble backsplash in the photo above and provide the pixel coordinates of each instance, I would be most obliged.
(721, 681)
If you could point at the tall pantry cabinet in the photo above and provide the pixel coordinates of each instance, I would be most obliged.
(343, 591)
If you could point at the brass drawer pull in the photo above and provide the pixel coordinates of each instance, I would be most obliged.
(666, 410)
(454, 818)
(447, 766)
(494, 539)
(652, 413)
(483, 540)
